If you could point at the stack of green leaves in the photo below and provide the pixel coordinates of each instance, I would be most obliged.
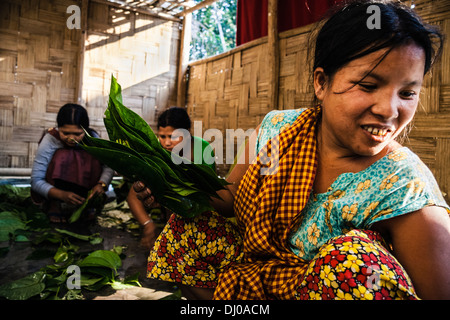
(133, 150)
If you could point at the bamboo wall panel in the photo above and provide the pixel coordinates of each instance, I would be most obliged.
(140, 51)
(430, 135)
(230, 91)
(38, 67)
(41, 60)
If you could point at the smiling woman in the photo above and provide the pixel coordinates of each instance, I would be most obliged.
(348, 213)
(364, 117)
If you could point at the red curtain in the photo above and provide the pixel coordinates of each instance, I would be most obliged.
(251, 17)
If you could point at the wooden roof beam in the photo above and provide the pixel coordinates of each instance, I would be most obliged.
(137, 9)
(199, 6)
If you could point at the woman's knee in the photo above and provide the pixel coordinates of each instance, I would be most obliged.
(355, 266)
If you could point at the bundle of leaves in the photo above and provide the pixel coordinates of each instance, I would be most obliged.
(133, 150)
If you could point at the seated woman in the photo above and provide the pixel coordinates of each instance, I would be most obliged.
(170, 120)
(63, 173)
(342, 210)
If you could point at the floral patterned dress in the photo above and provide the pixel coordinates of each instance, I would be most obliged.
(346, 260)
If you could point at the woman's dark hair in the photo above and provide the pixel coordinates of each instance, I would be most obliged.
(347, 36)
(175, 117)
(72, 113)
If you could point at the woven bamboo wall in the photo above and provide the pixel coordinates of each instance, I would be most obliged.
(38, 65)
(140, 51)
(230, 91)
(42, 61)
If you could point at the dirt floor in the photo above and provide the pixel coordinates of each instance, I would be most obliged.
(117, 228)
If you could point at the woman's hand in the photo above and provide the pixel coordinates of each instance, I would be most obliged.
(98, 189)
(70, 197)
(144, 194)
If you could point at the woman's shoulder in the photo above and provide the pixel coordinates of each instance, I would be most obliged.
(398, 183)
(274, 118)
(399, 167)
(50, 136)
(275, 122)
(403, 162)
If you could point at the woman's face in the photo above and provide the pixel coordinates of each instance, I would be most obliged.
(166, 139)
(365, 119)
(71, 134)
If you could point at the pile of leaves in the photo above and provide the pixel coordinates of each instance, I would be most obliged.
(21, 221)
(68, 275)
(17, 215)
(134, 151)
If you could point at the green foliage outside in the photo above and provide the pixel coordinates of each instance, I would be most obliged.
(213, 29)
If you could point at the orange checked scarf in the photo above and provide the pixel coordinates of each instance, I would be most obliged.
(267, 208)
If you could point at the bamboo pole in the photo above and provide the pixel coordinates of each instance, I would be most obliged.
(136, 9)
(183, 59)
(273, 49)
(199, 6)
(84, 18)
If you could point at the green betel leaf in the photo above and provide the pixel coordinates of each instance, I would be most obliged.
(170, 174)
(106, 144)
(130, 166)
(24, 288)
(9, 224)
(129, 117)
(115, 90)
(102, 258)
(77, 213)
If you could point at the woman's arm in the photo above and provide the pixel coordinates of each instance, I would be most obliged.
(137, 208)
(421, 243)
(44, 154)
(223, 206)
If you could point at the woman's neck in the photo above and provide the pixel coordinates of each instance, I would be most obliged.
(334, 160)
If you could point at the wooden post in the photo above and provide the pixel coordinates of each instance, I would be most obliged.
(273, 49)
(84, 18)
(183, 59)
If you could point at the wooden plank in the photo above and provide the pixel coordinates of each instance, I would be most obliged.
(437, 126)
(273, 52)
(7, 102)
(183, 60)
(199, 6)
(13, 148)
(21, 116)
(26, 134)
(443, 166)
(42, 119)
(16, 89)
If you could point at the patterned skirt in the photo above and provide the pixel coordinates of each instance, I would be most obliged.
(356, 265)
